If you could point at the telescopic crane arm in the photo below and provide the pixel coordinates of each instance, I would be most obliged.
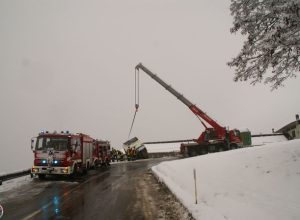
(165, 85)
(198, 112)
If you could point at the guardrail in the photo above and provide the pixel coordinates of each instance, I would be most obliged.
(166, 142)
(14, 175)
(192, 140)
(266, 135)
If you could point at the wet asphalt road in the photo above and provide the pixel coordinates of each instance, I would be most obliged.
(117, 192)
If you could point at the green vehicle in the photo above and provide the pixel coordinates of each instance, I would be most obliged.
(246, 138)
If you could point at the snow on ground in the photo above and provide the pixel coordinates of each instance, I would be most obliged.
(268, 139)
(258, 183)
(14, 183)
(166, 147)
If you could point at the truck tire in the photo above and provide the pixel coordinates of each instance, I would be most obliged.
(96, 163)
(192, 153)
(75, 171)
(212, 149)
(220, 149)
(233, 146)
(42, 176)
(85, 169)
(204, 151)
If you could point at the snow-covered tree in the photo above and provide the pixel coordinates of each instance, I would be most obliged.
(272, 28)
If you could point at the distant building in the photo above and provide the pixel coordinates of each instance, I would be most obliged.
(291, 130)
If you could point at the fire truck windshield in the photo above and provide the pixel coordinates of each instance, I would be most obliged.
(55, 143)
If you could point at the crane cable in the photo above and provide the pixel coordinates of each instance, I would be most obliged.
(201, 121)
(136, 97)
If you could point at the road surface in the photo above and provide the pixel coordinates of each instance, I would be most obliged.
(126, 190)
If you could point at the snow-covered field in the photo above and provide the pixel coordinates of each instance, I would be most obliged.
(260, 183)
(267, 139)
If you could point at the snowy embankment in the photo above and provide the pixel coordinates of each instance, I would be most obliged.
(251, 183)
(14, 183)
(267, 139)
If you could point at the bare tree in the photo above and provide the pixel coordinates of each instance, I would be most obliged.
(272, 28)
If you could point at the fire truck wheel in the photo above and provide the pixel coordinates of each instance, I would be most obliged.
(84, 170)
(42, 176)
(75, 170)
(94, 165)
(233, 146)
(220, 149)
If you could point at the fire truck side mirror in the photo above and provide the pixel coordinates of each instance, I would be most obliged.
(32, 144)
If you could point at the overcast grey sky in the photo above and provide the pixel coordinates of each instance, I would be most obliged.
(69, 65)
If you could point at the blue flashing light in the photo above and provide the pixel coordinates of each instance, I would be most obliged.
(55, 161)
(44, 161)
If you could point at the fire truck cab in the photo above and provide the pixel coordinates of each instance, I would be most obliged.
(62, 153)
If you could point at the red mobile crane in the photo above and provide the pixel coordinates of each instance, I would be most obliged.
(214, 138)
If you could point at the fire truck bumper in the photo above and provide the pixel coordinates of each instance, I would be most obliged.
(51, 170)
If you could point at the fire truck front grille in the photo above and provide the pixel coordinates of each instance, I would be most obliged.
(44, 162)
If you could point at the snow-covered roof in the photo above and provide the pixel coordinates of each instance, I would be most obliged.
(288, 126)
(243, 129)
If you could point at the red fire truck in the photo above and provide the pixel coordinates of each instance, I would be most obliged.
(102, 153)
(63, 154)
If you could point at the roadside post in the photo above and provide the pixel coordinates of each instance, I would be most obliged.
(195, 181)
(1, 211)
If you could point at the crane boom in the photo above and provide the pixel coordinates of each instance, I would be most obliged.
(192, 107)
(165, 85)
